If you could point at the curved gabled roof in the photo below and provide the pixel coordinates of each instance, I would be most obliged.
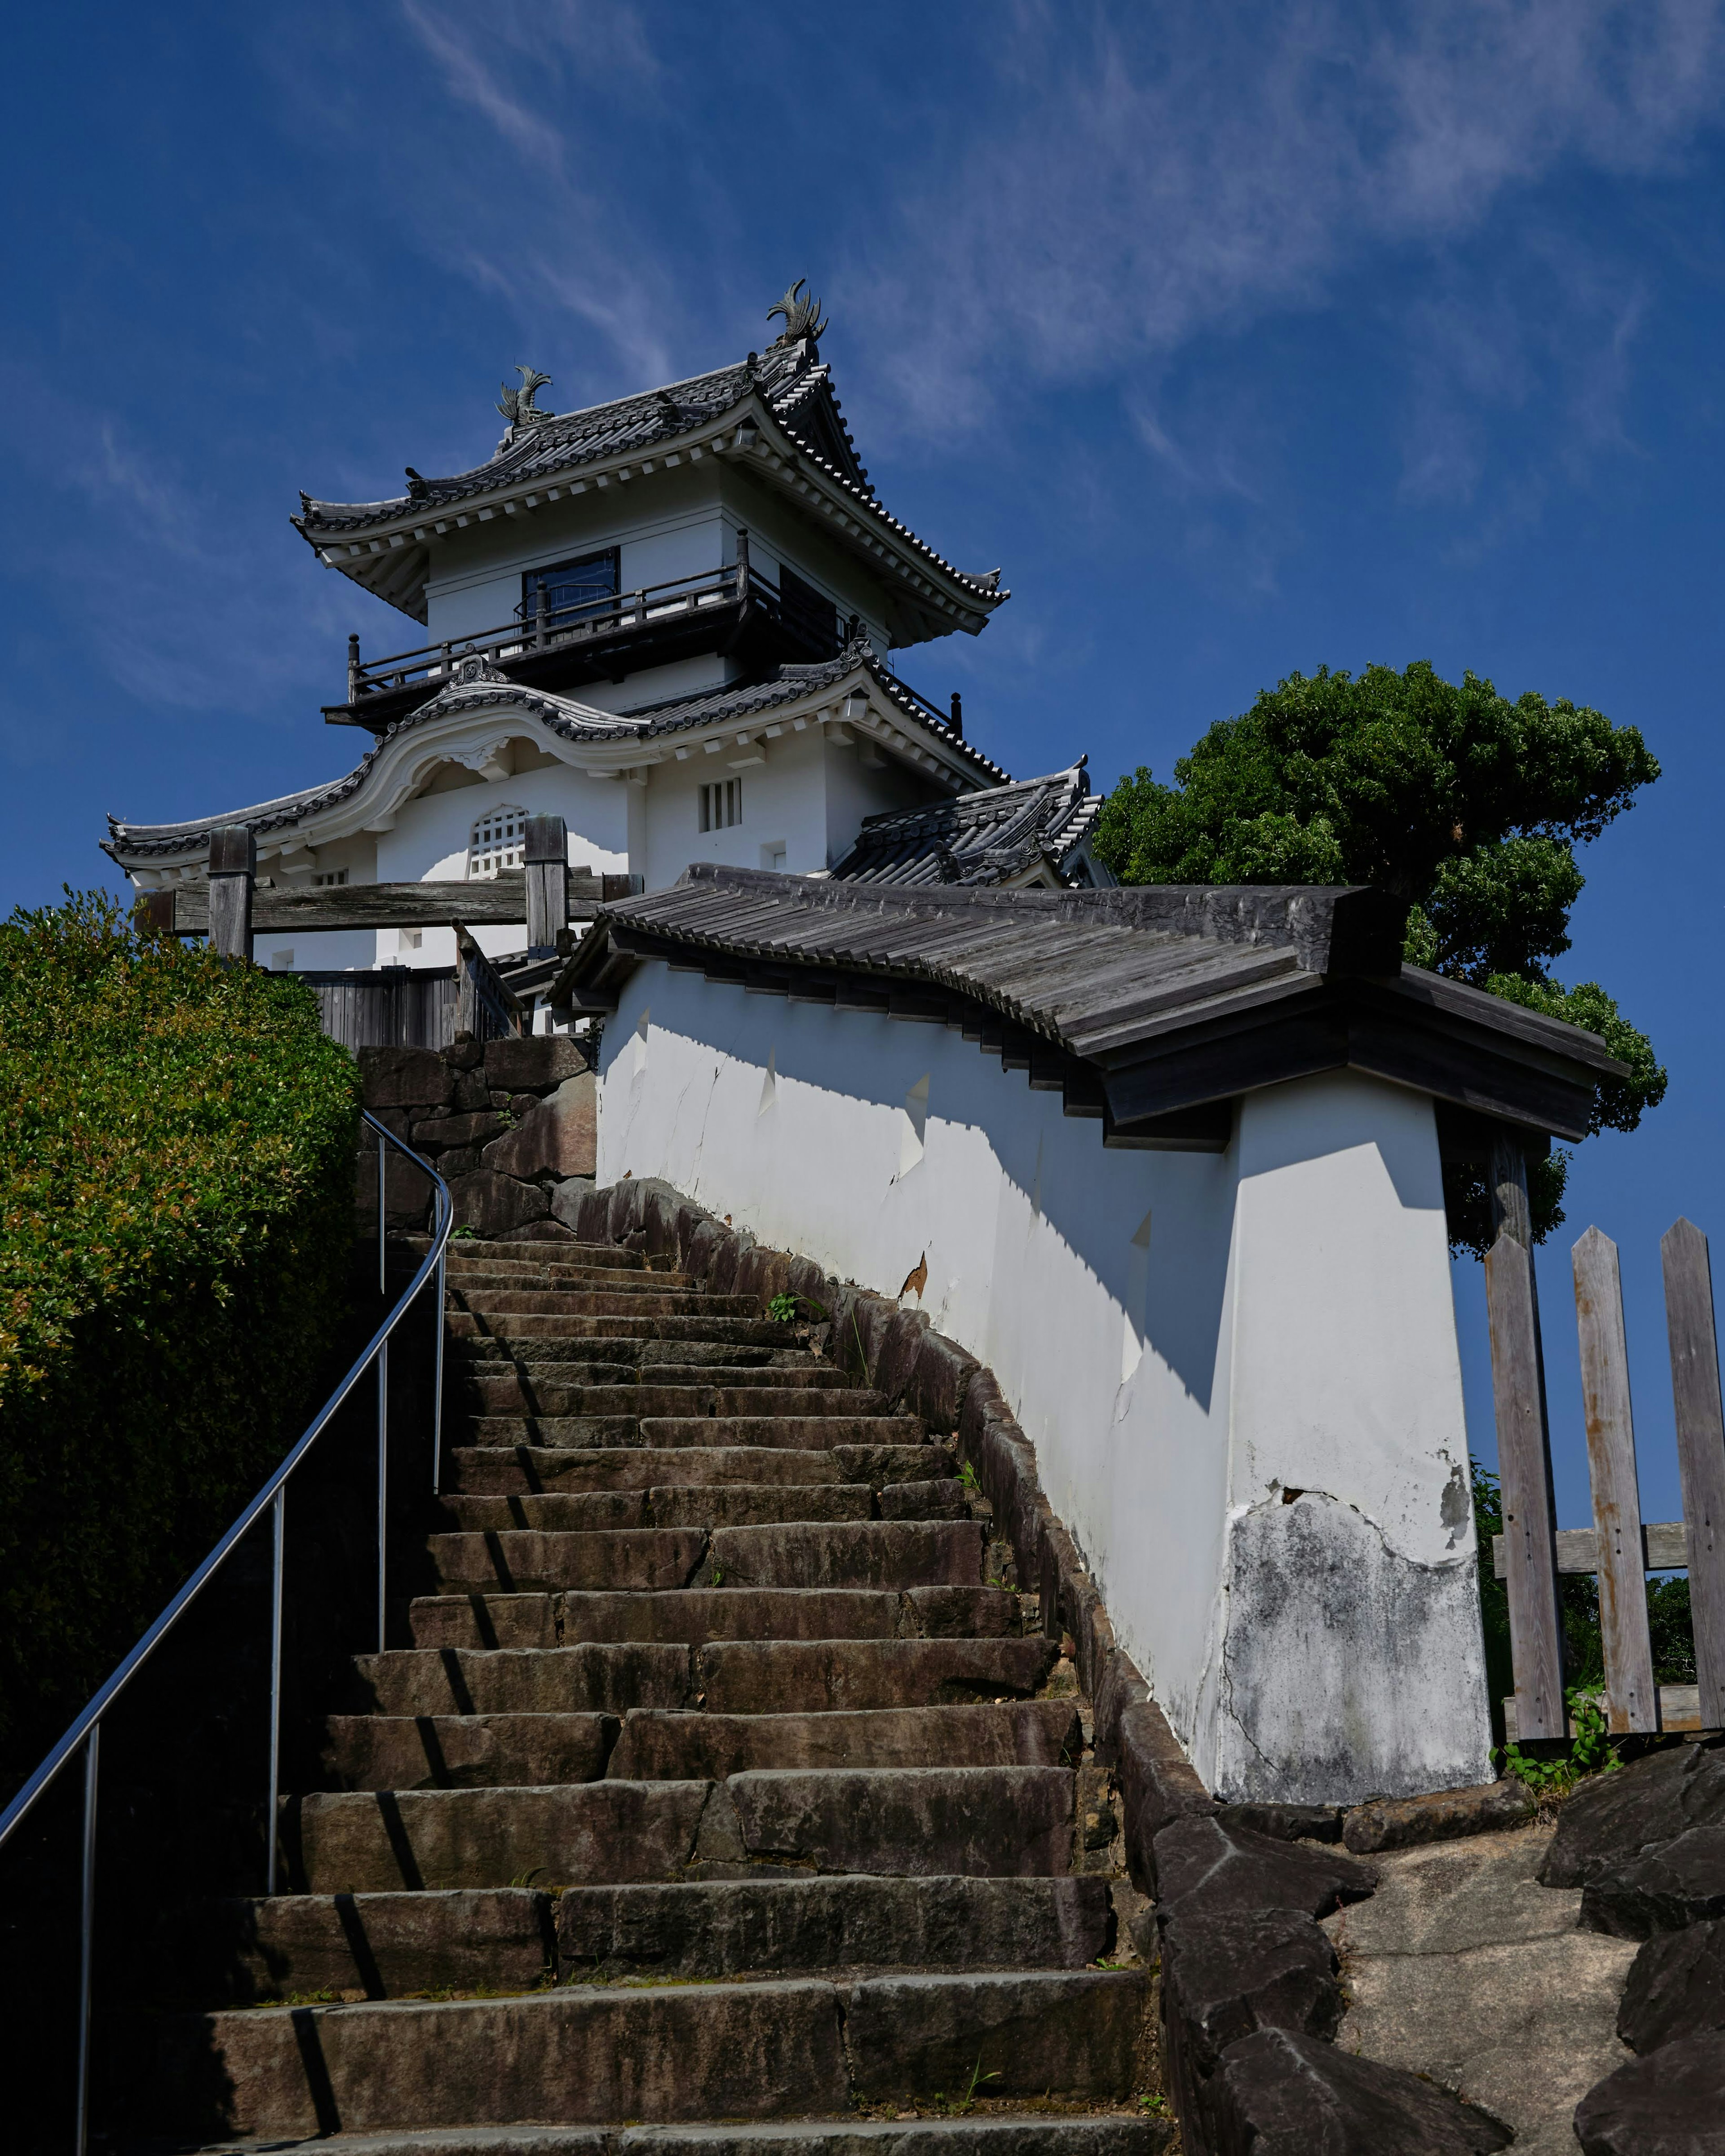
(998, 834)
(788, 384)
(477, 687)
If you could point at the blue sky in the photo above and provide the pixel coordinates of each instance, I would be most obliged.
(1245, 339)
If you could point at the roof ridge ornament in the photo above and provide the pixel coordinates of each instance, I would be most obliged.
(802, 317)
(517, 405)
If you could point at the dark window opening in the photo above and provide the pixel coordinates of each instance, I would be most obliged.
(810, 622)
(571, 591)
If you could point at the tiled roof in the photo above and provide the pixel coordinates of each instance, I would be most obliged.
(796, 387)
(999, 834)
(573, 721)
(1142, 1004)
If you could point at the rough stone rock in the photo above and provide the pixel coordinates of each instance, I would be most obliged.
(471, 1092)
(931, 1499)
(1157, 1785)
(496, 1205)
(1226, 1973)
(1613, 1817)
(1277, 2093)
(557, 1136)
(1676, 1988)
(533, 1063)
(1443, 1815)
(437, 1132)
(1671, 2103)
(1287, 1822)
(1213, 1867)
(1000, 1822)
(463, 1055)
(1680, 1883)
(404, 1078)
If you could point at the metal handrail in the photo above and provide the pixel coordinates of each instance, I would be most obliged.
(86, 1729)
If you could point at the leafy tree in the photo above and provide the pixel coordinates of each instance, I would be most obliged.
(1466, 805)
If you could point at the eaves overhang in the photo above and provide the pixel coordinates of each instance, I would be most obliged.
(850, 700)
(1151, 1009)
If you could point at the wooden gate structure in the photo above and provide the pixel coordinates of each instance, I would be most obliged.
(399, 1006)
(1531, 1552)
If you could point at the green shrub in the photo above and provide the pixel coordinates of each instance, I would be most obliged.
(176, 1145)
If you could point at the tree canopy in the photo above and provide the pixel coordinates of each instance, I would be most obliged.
(1469, 806)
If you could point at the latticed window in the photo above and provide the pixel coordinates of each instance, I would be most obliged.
(497, 842)
(328, 878)
(722, 805)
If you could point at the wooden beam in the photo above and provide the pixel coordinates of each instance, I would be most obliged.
(233, 870)
(1679, 1710)
(1701, 1450)
(1524, 1464)
(546, 853)
(1664, 1548)
(1611, 1470)
(495, 902)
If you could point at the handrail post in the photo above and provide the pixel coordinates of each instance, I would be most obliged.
(383, 1489)
(86, 1959)
(383, 1177)
(353, 668)
(279, 1510)
(437, 1385)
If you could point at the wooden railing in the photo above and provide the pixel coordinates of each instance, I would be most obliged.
(543, 628)
(1531, 1552)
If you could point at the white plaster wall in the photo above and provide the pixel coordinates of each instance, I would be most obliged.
(1184, 1337)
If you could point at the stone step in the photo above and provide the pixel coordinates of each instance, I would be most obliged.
(699, 1614)
(563, 1393)
(537, 1279)
(1044, 2131)
(996, 1822)
(594, 2054)
(673, 1747)
(245, 1951)
(564, 1361)
(470, 1751)
(520, 1560)
(575, 1339)
(727, 1677)
(707, 1331)
(476, 1249)
(644, 1299)
(510, 1463)
(694, 1504)
(829, 1423)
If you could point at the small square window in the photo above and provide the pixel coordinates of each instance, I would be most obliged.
(327, 879)
(722, 805)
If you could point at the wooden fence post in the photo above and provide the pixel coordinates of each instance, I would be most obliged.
(546, 856)
(1701, 1450)
(1611, 1470)
(232, 871)
(1524, 1471)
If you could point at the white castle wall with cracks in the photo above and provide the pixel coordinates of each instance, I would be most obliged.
(1239, 1370)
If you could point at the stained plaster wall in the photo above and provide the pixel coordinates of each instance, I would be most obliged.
(1189, 1340)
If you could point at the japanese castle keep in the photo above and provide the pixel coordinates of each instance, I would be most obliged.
(672, 621)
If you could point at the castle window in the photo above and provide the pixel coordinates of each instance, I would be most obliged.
(327, 878)
(571, 591)
(497, 842)
(720, 804)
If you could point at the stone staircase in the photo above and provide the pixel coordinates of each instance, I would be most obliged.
(715, 1792)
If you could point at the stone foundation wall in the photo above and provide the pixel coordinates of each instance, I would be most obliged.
(509, 1125)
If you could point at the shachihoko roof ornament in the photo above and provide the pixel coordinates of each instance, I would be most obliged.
(517, 405)
(802, 317)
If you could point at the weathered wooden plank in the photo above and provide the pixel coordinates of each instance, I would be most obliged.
(1679, 1709)
(1606, 1411)
(485, 1006)
(1664, 1548)
(1524, 1469)
(497, 901)
(1701, 1450)
(546, 857)
(233, 865)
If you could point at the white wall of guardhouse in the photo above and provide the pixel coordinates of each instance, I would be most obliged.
(1239, 1370)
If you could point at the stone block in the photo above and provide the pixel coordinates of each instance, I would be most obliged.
(1119, 1688)
(1071, 2035)
(1286, 1822)
(533, 1064)
(495, 1204)
(960, 1613)
(1279, 2093)
(1443, 1815)
(748, 1677)
(465, 1751)
(1669, 2104)
(558, 1136)
(1209, 1866)
(999, 1822)
(435, 1132)
(1680, 1883)
(1226, 1973)
(931, 1499)
(854, 1553)
(404, 1078)
(1157, 1785)
(1676, 1988)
